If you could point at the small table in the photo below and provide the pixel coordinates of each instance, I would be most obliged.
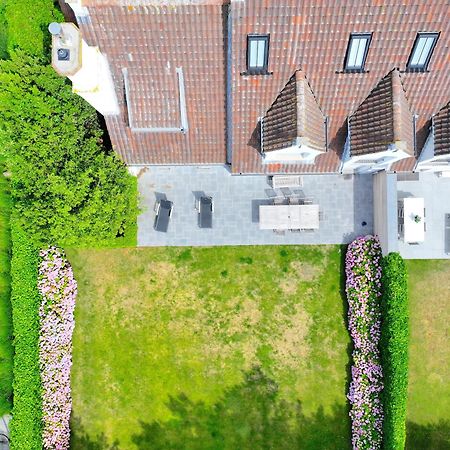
(413, 230)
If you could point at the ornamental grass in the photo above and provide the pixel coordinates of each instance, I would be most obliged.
(58, 290)
(363, 288)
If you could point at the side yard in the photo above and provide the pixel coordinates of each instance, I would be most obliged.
(428, 424)
(211, 348)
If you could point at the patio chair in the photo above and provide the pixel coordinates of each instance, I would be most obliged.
(279, 232)
(271, 193)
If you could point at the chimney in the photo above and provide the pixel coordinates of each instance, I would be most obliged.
(85, 66)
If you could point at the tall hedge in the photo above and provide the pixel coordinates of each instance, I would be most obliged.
(26, 427)
(394, 350)
(27, 24)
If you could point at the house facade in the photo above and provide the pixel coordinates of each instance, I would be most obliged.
(267, 86)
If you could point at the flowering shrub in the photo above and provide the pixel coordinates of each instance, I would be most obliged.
(363, 288)
(58, 290)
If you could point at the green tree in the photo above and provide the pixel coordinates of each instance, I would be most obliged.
(68, 189)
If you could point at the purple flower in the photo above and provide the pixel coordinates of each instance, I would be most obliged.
(58, 290)
(363, 288)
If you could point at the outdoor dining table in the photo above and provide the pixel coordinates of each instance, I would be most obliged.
(289, 217)
(414, 220)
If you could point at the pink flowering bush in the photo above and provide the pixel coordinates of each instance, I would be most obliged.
(363, 288)
(58, 290)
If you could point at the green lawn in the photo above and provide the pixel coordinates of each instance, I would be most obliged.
(429, 379)
(6, 350)
(213, 348)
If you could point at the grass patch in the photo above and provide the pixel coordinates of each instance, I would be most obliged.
(428, 418)
(6, 349)
(210, 348)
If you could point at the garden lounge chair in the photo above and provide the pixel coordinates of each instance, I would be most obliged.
(205, 212)
(163, 213)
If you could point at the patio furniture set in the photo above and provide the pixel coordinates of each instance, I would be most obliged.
(411, 220)
(290, 209)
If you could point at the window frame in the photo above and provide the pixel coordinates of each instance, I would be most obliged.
(258, 70)
(419, 35)
(368, 37)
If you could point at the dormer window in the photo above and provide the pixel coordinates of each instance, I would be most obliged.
(358, 47)
(257, 53)
(422, 51)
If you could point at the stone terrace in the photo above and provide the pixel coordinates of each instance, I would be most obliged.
(345, 203)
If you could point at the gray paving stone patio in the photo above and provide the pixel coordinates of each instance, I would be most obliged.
(346, 202)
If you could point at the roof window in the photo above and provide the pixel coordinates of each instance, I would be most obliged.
(257, 53)
(358, 47)
(422, 51)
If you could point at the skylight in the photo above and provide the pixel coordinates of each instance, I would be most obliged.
(257, 53)
(422, 51)
(357, 49)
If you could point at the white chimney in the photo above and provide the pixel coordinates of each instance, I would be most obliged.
(85, 66)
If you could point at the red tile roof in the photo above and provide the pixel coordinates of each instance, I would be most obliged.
(313, 36)
(441, 125)
(151, 42)
(294, 114)
(382, 119)
(151, 38)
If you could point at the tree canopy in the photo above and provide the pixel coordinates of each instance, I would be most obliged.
(68, 189)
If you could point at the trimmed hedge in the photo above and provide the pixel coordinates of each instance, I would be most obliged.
(26, 425)
(394, 350)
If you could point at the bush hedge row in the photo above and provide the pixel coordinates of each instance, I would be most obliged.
(394, 350)
(26, 425)
(58, 290)
(363, 289)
